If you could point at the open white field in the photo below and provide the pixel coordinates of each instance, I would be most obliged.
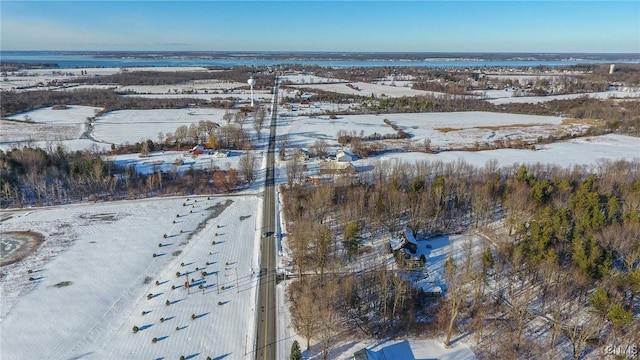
(588, 151)
(130, 126)
(47, 124)
(505, 97)
(367, 89)
(444, 130)
(94, 272)
(73, 114)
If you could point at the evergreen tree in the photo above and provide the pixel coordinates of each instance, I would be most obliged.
(296, 354)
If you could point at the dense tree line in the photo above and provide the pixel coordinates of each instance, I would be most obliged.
(566, 250)
(34, 176)
(16, 102)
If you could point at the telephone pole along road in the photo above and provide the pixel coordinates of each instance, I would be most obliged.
(266, 315)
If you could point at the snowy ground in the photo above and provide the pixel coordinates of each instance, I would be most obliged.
(95, 271)
(498, 97)
(368, 89)
(91, 245)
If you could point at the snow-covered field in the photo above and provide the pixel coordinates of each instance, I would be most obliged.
(95, 270)
(95, 278)
(498, 97)
(122, 126)
(368, 89)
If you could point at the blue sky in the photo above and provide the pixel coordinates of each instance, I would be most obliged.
(403, 26)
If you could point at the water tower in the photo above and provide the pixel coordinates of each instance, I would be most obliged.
(251, 82)
(612, 68)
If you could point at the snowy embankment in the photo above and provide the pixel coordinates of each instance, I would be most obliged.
(96, 278)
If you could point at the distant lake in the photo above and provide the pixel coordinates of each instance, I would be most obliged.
(67, 60)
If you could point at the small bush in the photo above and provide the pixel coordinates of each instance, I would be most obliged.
(30, 271)
(135, 329)
(204, 273)
(161, 319)
(165, 236)
(173, 287)
(182, 264)
(193, 316)
(220, 302)
(154, 340)
(154, 254)
(160, 245)
(157, 283)
(31, 279)
(150, 296)
(167, 303)
(178, 274)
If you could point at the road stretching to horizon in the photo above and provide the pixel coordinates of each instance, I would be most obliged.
(266, 315)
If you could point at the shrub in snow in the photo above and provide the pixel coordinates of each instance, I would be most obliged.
(222, 287)
(216, 234)
(145, 312)
(181, 264)
(157, 283)
(167, 303)
(204, 273)
(160, 245)
(150, 296)
(193, 316)
(165, 236)
(173, 287)
(135, 329)
(181, 231)
(184, 204)
(207, 263)
(154, 254)
(190, 211)
(174, 221)
(182, 357)
(161, 319)
(218, 226)
(178, 274)
(31, 279)
(219, 302)
(200, 286)
(30, 271)
(154, 340)
(177, 328)
(212, 243)
(177, 215)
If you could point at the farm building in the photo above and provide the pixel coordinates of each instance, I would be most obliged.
(336, 168)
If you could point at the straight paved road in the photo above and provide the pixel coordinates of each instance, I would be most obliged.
(266, 336)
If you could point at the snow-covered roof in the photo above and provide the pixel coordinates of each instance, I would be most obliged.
(396, 243)
(401, 350)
